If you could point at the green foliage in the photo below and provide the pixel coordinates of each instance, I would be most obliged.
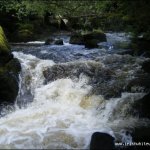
(109, 15)
(24, 26)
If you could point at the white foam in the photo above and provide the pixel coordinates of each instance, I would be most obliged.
(63, 114)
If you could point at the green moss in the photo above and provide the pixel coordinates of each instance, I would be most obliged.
(25, 35)
(4, 46)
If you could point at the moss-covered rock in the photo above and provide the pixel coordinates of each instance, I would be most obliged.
(59, 42)
(9, 72)
(91, 43)
(25, 35)
(13, 66)
(8, 87)
(76, 38)
(4, 46)
(5, 58)
(90, 39)
(49, 41)
(95, 35)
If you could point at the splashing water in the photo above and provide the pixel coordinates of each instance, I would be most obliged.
(63, 113)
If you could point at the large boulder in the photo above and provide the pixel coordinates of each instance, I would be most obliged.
(91, 43)
(4, 46)
(49, 41)
(24, 35)
(9, 72)
(76, 38)
(102, 141)
(8, 88)
(96, 35)
(141, 107)
(59, 42)
(90, 40)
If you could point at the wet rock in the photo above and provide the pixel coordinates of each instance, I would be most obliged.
(91, 44)
(9, 72)
(102, 141)
(99, 36)
(90, 40)
(13, 66)
(146, 66)
(76, 38)
(8, 88)
(5, 57)
(141, 107)
(49, 41)
(141, 83)
(59, 42)
(103, 80)
(9, 79)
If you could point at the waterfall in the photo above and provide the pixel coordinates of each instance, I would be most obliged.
(62, 113)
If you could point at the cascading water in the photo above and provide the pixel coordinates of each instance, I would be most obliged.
(62, 111)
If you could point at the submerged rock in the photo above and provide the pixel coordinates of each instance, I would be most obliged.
(103, 80)
(9, 72)
(102, 141)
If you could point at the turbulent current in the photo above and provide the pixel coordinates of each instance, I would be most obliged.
(69, 92)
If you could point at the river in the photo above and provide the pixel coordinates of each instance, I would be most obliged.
(68, 92)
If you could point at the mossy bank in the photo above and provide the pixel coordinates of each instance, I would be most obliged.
(9, 72)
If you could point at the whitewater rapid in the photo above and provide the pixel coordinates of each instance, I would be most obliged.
(62, 113)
